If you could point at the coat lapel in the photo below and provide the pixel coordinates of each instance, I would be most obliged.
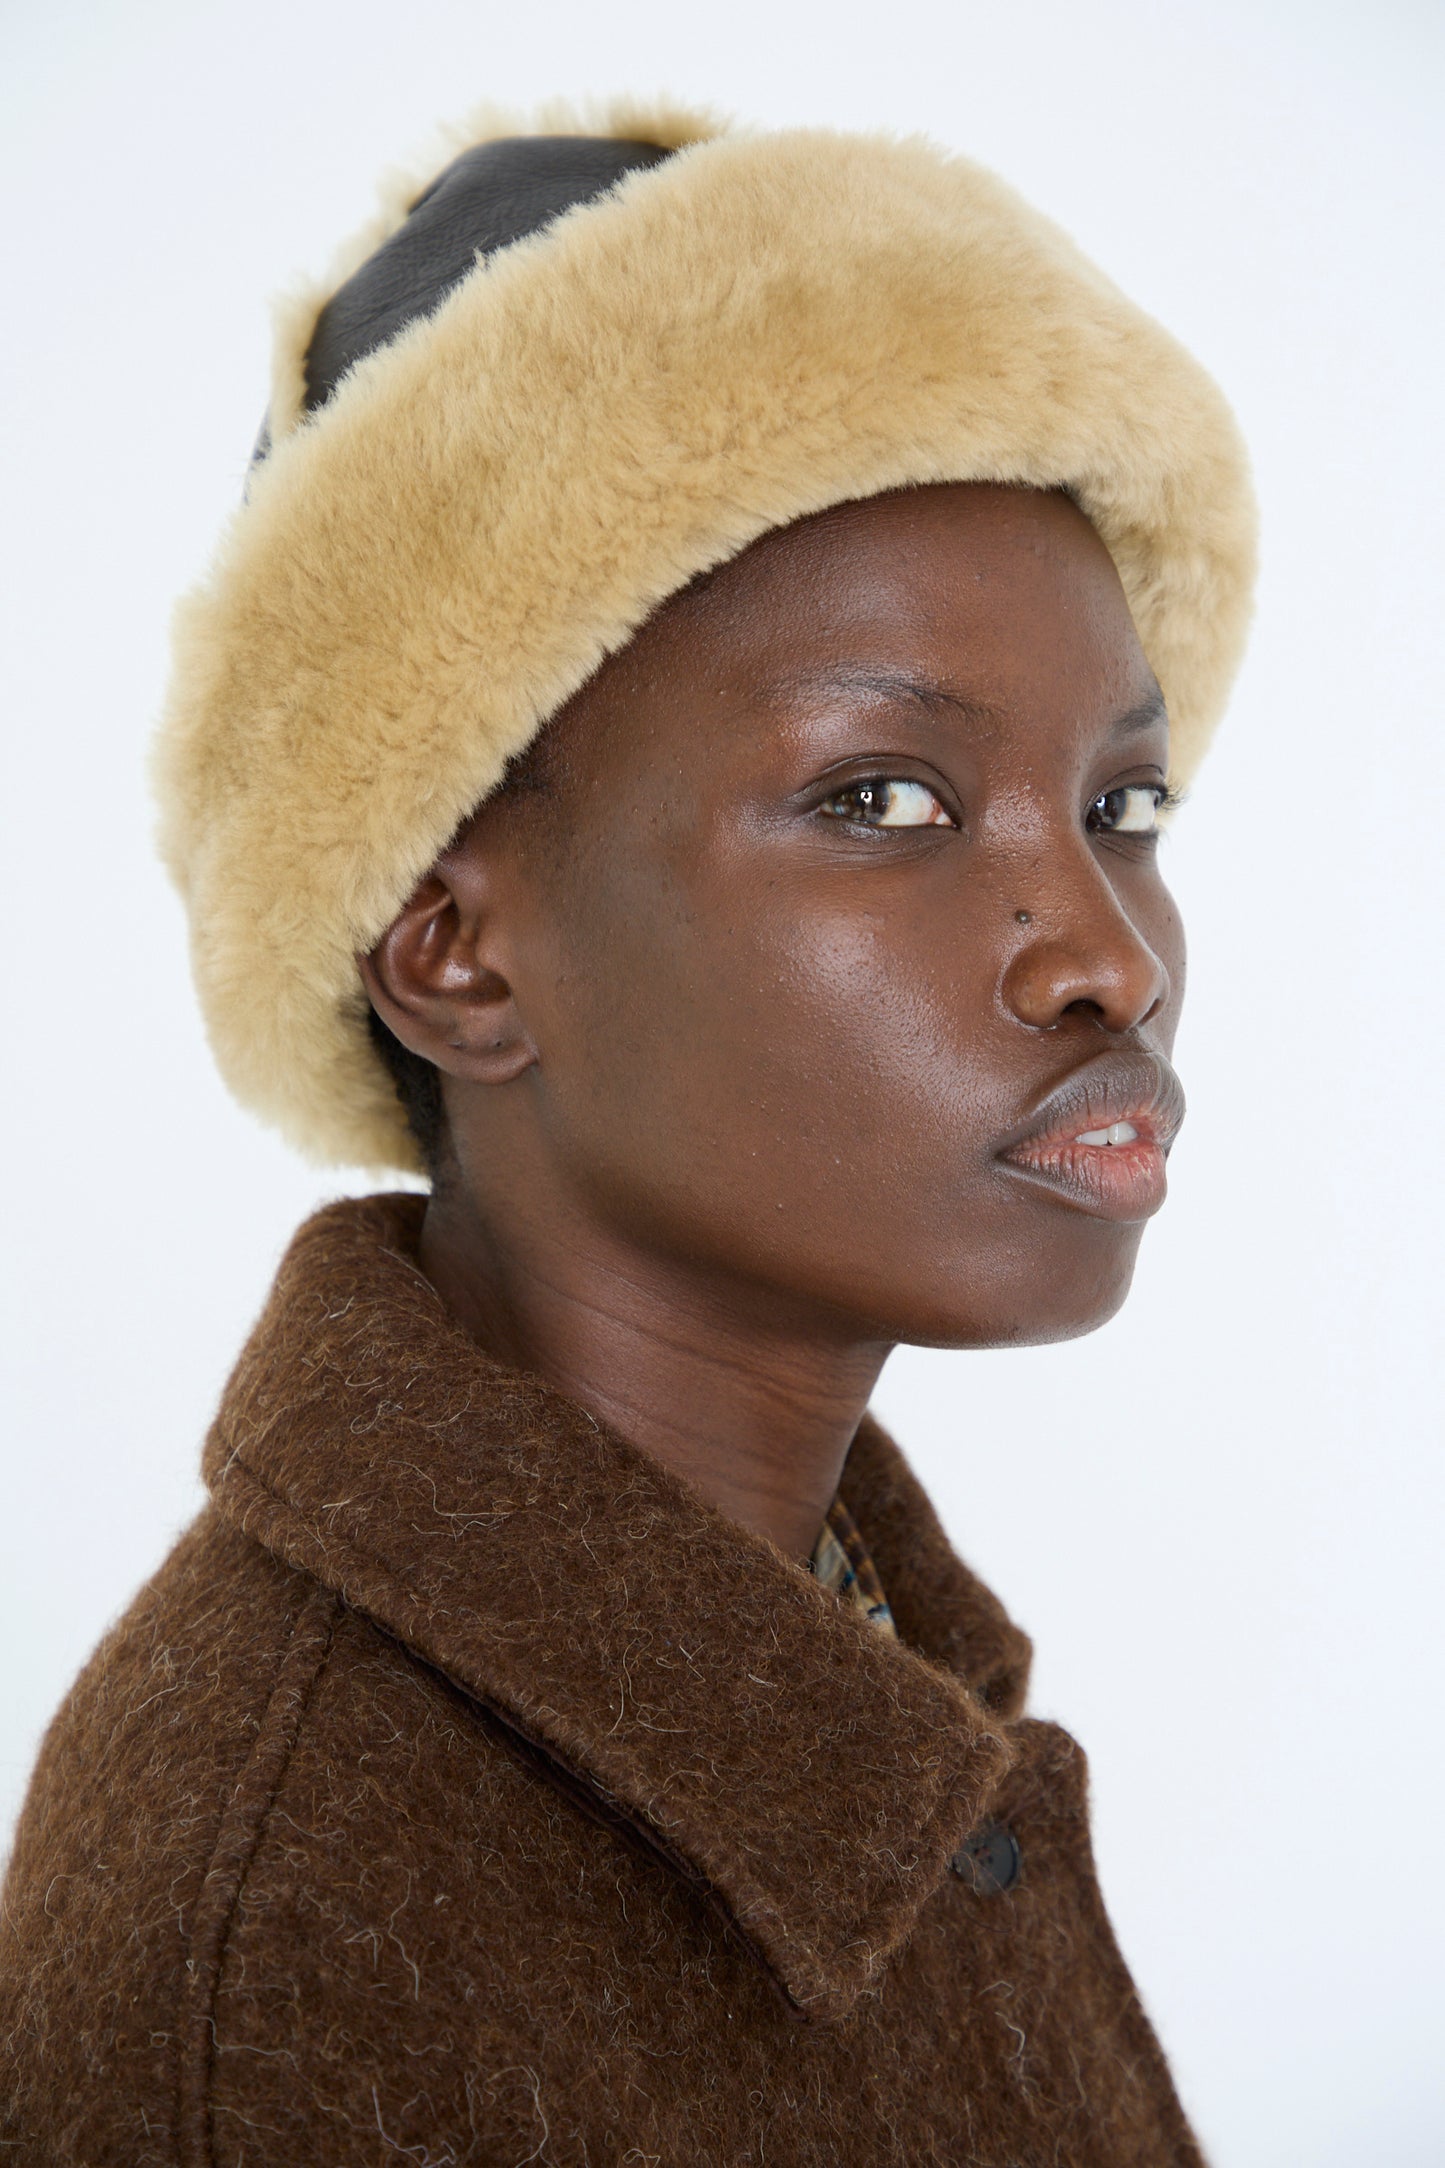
(814, 1775)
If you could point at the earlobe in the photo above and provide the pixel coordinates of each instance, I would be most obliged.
(434, 985)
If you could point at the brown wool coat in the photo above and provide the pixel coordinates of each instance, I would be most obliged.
(463, 1791)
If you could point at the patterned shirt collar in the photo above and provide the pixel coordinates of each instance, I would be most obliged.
(841, 1562)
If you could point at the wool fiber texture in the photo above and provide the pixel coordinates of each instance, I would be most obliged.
(464, 1791)
(426, 569)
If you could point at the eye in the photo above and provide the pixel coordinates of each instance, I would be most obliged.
(887, 801)
(1131, 810)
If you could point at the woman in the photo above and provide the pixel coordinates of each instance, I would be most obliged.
(673, 749)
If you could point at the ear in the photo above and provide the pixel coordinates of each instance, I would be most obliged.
(437, 976)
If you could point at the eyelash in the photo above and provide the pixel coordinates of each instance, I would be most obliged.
(1165, 800)
(882, 784)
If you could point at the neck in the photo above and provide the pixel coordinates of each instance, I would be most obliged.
(755, 1412)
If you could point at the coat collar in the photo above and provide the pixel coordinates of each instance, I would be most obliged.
(812, 1774)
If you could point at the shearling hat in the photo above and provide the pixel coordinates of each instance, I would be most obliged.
(539, 395)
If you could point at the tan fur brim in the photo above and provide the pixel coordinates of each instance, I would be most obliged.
(759, 327)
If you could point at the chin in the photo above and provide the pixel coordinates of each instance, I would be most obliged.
(1033, 1302)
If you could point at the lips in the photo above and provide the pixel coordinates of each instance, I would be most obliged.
(1100, 1138)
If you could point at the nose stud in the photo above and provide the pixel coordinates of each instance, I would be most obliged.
(1023, 917)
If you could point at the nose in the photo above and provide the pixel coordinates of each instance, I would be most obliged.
(1085, 955)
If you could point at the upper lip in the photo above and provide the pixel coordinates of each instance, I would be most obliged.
(1117, 1086)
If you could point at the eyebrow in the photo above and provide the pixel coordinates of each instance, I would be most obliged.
(902, 686)
(1144, 715)
(897, 685)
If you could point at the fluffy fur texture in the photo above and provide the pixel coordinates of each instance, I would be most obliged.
(463, 1790)
(761, 326)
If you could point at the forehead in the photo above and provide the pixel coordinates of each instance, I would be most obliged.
(1010, 592)
(990, 571)
(1004, 601)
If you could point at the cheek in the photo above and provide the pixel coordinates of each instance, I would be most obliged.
(893, 1034)
(806, 1092)
(1159, 921)
(787, 1079)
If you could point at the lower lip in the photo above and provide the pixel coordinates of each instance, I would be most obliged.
(1112, 1181)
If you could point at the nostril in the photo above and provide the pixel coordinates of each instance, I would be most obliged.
(1109, 977)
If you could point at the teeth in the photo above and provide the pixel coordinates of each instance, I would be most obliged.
(1116, 1133)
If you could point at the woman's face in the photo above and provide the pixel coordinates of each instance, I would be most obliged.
(843, 868)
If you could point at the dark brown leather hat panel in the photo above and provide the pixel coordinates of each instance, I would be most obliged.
(492, 195)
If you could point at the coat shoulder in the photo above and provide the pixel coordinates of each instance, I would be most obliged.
(134, 1828)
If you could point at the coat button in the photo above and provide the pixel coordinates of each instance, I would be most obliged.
(989, 1859)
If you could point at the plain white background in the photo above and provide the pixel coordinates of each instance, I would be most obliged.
(1220, 1516)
